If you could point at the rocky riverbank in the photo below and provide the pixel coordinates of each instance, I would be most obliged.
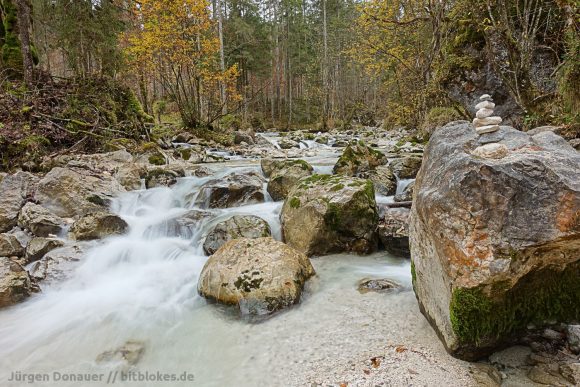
(273, 210)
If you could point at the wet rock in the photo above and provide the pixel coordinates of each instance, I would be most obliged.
(38, 247)
(406, 167)
(97, 225)
(573, 337)
(383, 178)
(325, 214)
(14, 191)
(383, 285)
(58, 264)
(489, 238)
(77, 190)
(358, 158)
(184, 225)
(285, 175)
(512, 357)
(393, 231)
(286, 143)
(407, 194)
(232, 190)
(238, 226)
(160, 177)
(129, 354)
(15, 284)
(39, 220)
(10, 246)
(260, 276)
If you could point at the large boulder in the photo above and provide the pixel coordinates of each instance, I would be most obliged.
(383, 178)
(77, 190)
(394, 231)
(285, 175)
(233, 190)
(15, 284)
(495, 243)
(97, 225)
(58, 264)
(238, 226)
(358, 158)
(260, 276)
(325, 214)
(14, 191)
(39, 221)
(406, 167)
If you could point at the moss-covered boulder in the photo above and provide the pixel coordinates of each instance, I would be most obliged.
(495, 243)
(238, 226)
(325, 214)
(358, 158)
(260, 276)
(285, 175)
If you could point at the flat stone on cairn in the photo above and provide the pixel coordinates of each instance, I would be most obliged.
(485, 121)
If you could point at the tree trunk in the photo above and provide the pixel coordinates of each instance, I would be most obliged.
(24, 8)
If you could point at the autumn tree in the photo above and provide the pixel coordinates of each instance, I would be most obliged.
(176, 41)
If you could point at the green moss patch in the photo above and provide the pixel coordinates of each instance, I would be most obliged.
(488, 314)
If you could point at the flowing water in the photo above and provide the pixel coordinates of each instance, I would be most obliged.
(142, 287)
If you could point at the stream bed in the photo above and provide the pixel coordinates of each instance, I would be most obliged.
(142, 287)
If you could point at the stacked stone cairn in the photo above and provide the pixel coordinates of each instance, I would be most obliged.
(485, 121)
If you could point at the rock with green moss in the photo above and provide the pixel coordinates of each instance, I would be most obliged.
(406, 167)
(325, 214)
(285, 175)
(358, 158)
(259, 276)
(495, 244)
(238, 226)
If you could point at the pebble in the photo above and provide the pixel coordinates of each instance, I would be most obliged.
(485, 97)
(487, 129)
(485, 105)
(484, 113)
(494, 120)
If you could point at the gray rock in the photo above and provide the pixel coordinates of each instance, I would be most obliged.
(39, 220)
(58, 264)
(14, 190)
(512, 357)
(15, 284)
(183, 226)
(383, 178)
(470, 214)
(97, 225)
(238, 226)
(358, 158)
(38, 247)
(232, 190)
(573, 337)
(129, 354)
(406, 167)
(285, 175)
(246, 137)
(161, 177)
(286, 143)
(383, 285)
(260, 276)
(407, 194)
(393, 231)
(77, 190)
(491, 151)
(325, 214)
(10, 246)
